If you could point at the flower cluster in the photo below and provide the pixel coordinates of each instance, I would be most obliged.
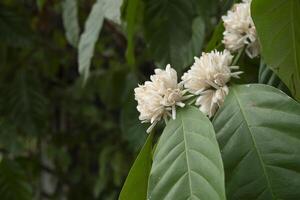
(207, 78)
(240, 31)
(157, 99)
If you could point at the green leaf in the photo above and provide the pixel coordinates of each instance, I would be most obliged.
(133, 130)
(258, 133)
(268, 77)
(135, 186)
(102, 8)
(131, 17)
(278, 28)
(25, 103)
(111, 86)
(70, 21)
(187, 162)
(173, 31)
(112, 10)
(14, 28)
(89, 38)
(40, 4)
(13, 185)
(216, 40)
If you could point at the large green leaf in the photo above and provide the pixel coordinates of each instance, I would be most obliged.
(278, 28)
(135, 186)
(187, 161)
(173, 32)
(258, 133)
(13, 185)
(70, 21)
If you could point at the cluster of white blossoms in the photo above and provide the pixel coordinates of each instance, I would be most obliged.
(240, 30)
(208, 77)
(157, 99)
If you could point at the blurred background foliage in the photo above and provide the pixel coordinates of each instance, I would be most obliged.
(61, 138)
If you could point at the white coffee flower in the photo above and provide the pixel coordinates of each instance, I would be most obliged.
(240, 30)
(210, 70)
(211, 100)
(157, 99)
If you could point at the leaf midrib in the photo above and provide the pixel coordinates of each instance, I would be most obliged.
(187, 158)
(254, 144)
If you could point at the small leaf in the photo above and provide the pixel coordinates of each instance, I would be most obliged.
(89, 38)
(278, 28)
(70, 21)
(109, 9)
(135, 186)
(187, 162)
(258, 133)
(112, 10)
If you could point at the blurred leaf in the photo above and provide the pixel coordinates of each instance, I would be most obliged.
(13, 185)
(227, 4)
(70, 21)
(14, 28)
(132, 11)
(89, 38)
(258, 133)
(194, 46)
(25, 104)
(268, 77)
(208, 10)
(102, 8)
(133, 130)
(215, 41)
(111, 86)
(112, 10)
(170, 32)
(278, 28)
(187, 161)
(118, 168)
(9, 139)
(135, 186)
(40, 4)
(103, 178)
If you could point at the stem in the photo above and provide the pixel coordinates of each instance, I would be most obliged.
(192, 100)
(238, 56)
